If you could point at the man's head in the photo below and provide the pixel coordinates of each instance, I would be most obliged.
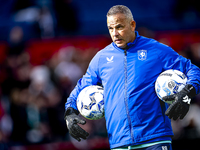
(121, 25)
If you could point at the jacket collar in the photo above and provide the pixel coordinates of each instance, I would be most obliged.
(129, 45)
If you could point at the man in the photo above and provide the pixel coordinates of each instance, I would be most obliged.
(128, 69)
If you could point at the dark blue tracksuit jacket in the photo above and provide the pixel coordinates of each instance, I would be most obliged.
(134, 114)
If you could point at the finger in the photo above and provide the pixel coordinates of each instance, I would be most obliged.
(175, 116)
(177, 112)
(183, 114)
(169, 98)
(170, 111)
(75, 136)
(81, 133)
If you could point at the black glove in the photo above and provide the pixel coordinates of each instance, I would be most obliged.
(72, 120)
(180, 106)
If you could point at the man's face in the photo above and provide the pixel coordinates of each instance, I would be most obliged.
(121, 29)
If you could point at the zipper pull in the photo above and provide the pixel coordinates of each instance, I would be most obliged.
(125, 52)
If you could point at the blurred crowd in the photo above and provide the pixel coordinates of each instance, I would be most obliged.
(33, 96)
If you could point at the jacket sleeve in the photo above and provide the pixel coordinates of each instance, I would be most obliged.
(91, 77)
(172, 60)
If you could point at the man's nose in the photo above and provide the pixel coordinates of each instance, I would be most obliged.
(115, 32)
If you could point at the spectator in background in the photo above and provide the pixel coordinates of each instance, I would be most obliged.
(46, 23)
(45, 100)
(67, 69)
(16, 41)
(194, 53)
(16, 70)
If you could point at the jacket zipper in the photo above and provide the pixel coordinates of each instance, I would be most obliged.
(125, 93)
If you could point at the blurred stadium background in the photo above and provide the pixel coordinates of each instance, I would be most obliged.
(45, 47)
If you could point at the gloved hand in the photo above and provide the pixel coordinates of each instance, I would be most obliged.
(72, 121)
(180, 106)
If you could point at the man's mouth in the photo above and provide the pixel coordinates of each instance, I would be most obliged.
(118, 40)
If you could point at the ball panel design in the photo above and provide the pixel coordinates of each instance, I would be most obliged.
(90, 102)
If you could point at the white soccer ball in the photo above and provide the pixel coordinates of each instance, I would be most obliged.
(90, 102)
(170, 82)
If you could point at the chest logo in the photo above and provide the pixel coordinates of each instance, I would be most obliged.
(142, 54)
(110, 60)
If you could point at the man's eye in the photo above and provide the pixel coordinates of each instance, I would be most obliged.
(110, 28)
(119, 27)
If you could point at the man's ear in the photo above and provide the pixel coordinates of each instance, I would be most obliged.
(133, 25)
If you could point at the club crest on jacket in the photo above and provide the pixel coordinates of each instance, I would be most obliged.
(142, 54)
